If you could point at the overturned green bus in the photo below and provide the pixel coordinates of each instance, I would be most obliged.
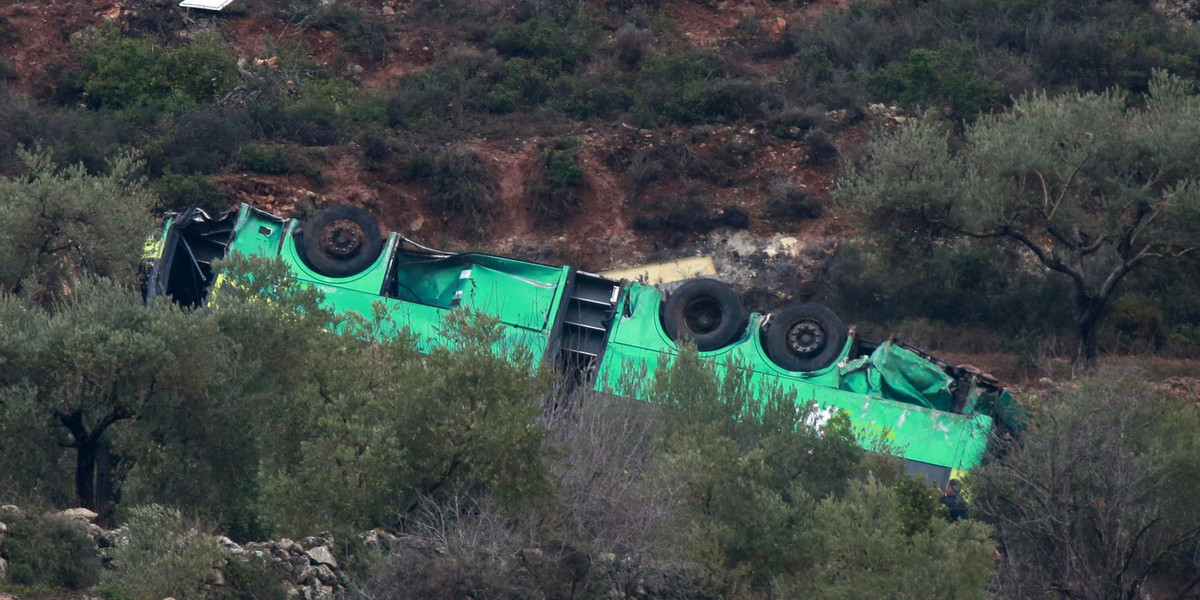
(936, 416)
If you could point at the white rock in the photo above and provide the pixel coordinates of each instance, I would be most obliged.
(79, 514)
(322, 556)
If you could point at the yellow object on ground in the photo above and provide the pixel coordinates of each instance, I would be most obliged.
(665, 272)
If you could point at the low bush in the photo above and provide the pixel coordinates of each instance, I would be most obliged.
(364, 36)
(553, 190)
(164, 555)
(632, 44)
(695, 88)
(459, 183)
(49, 551)
(120, 72)
(444, 94)
(556, 46)
(180, 192)
(790, 200)
(820, 149)
(199, 141)
(794, 123)
(268, 160)
(937, 77)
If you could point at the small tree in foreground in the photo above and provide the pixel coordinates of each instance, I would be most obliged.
(1090, 188)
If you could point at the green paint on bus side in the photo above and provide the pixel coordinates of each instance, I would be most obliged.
(893, 395)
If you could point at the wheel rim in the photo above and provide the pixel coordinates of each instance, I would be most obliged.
(341, 238)
(805, 338)
(702, 316)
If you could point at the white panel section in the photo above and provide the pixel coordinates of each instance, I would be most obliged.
(206, 4)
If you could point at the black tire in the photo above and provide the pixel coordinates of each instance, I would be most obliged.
(805, 337)
(706, 312)
(340, 241)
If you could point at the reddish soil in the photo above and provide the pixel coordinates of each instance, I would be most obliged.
(43, 34)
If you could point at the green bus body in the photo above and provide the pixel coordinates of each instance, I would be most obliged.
(594, 328)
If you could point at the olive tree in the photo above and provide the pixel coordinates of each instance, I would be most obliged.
(90, 364)
(1086, 185)
(58, 222)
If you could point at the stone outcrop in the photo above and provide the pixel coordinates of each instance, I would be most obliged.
(309, 569)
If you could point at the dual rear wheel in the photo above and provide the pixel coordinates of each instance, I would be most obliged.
(707, 312)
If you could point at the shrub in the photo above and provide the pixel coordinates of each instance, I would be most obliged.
(180, 192)
(552, 44)
(52, 550)
(366, 37)
(794, 123)
(268, 160)
(591, 95)
(632, 44)
(377, 149)
(457, 85)
(119, 72)
(459, 183)
(937, 77)
(821, 151)
(165, 555)
(682, 214)
(790, 200)
(199, 141)
(695, 88)
(251, 578)
(553, 194)
(1113, 468)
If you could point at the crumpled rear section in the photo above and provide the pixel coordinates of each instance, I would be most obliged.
(896, 373)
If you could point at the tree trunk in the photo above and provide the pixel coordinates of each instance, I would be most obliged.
(1088, 321)
(106, 482)
(85, 471)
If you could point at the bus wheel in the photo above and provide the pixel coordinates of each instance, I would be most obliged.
(804, 337)
(340, 241)
(704, 311)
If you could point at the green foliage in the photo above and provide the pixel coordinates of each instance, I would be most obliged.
(120, 72)
(165, 555)
(685, 215)
(459, 183)
(195, 142)
(938, 77)
(554, 194)
(57, 223)
(552, 45)
(969, 287)
(738, 451)
(452, 89)
(365, 36)
(268, 160)
(1096, 498)
(693, 88)
(251, 578)
(392, 429)
(1089, 188)
(180, 192)
(937, 53)
(868, 551)
(49, 551)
